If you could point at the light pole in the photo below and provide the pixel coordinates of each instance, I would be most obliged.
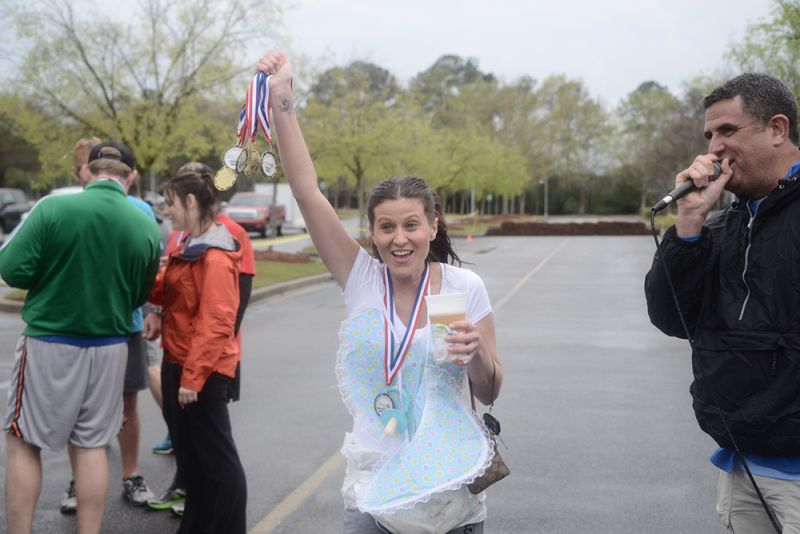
(545, 181)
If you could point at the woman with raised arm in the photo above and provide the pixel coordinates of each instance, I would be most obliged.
(416, 444)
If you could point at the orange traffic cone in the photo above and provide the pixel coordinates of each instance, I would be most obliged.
(469, 238)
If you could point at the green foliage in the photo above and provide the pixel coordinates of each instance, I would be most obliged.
(275, 272)
(658, 135)
(161, 82)
(353, 125)
(170, 80)
(773, 46)
(444, 78)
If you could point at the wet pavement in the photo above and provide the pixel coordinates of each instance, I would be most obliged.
(595, 407)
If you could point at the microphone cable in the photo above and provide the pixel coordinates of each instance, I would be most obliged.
(715, 396)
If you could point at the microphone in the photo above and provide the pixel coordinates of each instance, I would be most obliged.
(683, 189)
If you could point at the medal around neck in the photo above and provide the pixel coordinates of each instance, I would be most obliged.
(225, 178)
(386, 405)
(268, 164)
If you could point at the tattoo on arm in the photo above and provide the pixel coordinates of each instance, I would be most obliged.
(286, 105)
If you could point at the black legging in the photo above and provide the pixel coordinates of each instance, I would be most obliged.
(216, 489)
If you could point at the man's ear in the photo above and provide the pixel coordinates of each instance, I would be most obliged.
(779, 128)
(84, 176)
(131, 178)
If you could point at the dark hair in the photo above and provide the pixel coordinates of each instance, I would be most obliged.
(763, 97)
(199, 184)
(414, 187)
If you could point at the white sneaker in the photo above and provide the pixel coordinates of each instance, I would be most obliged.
(135, 490)
(69, 504)
(177, 508)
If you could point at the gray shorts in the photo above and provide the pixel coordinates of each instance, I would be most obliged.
(136, 368)
(740, 509)
(60, 393)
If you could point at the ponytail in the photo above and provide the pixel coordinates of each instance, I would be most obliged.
(441, 248)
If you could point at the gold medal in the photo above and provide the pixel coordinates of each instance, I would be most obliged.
(268, 164)
(225, 178)
(253, 159)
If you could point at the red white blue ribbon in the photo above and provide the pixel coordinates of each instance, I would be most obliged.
(255, 111)
(262, 104)
(393, 359)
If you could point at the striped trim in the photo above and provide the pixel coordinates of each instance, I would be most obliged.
(15, 429)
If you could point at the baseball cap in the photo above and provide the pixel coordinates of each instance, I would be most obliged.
(113, 150)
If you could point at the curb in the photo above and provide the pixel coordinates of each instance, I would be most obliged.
(13, 306)
(284, 287)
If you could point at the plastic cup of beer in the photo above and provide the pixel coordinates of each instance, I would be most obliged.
(443, 310)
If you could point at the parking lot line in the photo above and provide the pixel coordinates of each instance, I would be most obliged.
(305, 490)
(293, 501)
(280, 240)
(524, 280)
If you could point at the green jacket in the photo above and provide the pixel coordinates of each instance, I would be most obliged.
(87, 260)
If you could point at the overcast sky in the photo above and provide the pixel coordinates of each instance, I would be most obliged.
(612, 45)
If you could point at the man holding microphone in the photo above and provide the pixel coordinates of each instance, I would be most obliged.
(736, 280)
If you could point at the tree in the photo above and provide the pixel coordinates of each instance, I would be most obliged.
(773, 46)
(445, 77)
(659, 135)
(352, 123)
(161, 83)
(19, 163)
(645, 119)
(575, 139)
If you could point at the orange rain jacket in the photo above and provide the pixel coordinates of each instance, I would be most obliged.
(199, 293)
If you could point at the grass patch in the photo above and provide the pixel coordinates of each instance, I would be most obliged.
(347, 213)
(267, 273)
(275, 272)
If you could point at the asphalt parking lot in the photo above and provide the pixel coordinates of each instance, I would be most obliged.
(595, 406)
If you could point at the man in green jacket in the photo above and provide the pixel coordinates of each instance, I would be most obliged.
(87, 260)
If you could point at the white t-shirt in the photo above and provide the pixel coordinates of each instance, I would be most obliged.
(364, 286)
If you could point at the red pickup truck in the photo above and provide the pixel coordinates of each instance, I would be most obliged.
(255, 212)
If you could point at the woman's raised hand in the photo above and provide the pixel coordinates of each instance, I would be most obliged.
(276, 64)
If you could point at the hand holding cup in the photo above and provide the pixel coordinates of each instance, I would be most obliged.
(454, 338)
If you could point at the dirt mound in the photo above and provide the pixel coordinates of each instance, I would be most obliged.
(571, 228)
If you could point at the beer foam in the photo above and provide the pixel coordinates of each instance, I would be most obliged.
(448, 304)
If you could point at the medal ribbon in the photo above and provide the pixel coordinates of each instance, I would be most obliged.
(392, 359)
(255, 110)
(262, 104)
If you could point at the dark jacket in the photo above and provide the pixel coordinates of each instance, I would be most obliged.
(739, 290)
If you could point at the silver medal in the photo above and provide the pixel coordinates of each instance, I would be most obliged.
(268, 165)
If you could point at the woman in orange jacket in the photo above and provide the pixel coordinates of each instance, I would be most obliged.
(199, 293)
